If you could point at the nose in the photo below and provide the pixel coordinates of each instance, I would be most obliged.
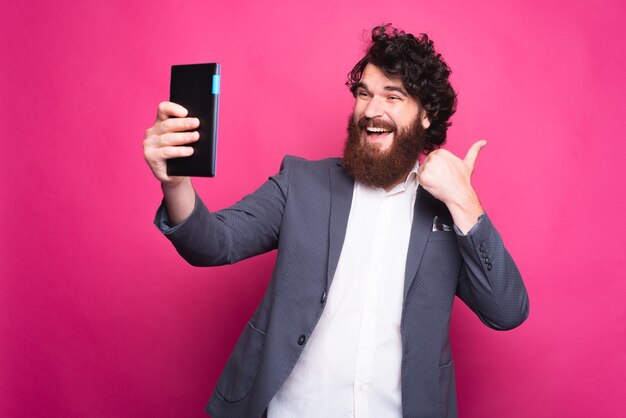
(374, 108)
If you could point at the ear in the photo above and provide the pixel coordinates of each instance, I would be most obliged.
(425, 120)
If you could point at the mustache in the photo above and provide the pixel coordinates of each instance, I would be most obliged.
(365, 122)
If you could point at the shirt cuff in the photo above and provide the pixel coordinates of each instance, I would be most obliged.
(472, 229)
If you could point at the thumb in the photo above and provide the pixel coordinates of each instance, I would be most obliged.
(472, 154)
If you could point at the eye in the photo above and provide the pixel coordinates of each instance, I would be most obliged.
(394, 98)
(362, 93)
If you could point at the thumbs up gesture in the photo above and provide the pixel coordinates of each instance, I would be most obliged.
(448, 178)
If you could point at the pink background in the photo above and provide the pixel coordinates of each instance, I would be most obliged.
(99, 316)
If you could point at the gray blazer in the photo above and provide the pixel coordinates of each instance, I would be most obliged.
(303, 212)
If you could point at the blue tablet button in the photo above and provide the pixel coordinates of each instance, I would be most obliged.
(215, 89)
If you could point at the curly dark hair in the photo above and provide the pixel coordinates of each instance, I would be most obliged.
(422, 70)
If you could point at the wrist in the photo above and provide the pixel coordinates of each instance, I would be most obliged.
(179, 197)
(174, 184)
(466, 211)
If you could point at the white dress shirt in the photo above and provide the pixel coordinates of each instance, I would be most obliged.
(350, 366)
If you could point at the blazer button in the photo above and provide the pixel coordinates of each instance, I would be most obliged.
(323, 298)
(489, 266)
(486, 259)
(481, 248)
(302, 339)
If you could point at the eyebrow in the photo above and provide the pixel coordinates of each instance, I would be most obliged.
(386, 88)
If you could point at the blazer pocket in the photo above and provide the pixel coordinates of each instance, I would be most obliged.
(238, 376)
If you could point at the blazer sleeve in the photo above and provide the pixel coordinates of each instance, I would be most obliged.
(490, 283)
(248, 228)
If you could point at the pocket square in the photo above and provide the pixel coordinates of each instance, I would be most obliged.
(440, 226)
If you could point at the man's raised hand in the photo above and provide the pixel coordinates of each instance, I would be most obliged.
(448, 178)
(162, 140)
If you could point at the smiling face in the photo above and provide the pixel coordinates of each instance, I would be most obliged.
(383, 108)
(386, 132)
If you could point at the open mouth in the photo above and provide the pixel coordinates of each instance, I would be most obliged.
(376, 133)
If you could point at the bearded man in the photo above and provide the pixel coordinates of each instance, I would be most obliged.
(372, 248)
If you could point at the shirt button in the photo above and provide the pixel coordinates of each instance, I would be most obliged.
(302, 339)
(364, 387)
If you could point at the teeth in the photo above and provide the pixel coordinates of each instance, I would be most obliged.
(376, 130)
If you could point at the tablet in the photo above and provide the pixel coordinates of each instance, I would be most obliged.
(197, 88)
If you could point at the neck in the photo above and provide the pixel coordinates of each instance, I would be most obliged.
(401, 179)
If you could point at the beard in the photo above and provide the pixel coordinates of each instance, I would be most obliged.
(373, 167)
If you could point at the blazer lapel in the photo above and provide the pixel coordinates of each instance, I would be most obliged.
(425, 211)
(341, 190)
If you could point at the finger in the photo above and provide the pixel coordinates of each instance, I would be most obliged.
(176, 138)
(169, 109)
(472, 154)
(177, 125)
(176, 152)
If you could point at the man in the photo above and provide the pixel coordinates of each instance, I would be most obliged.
(372, 249)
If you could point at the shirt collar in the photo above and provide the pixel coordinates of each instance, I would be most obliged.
(411, 179)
